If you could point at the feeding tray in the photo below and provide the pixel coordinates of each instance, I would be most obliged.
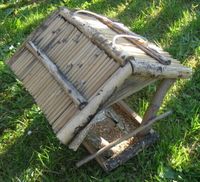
(120, 120)
(77, 64)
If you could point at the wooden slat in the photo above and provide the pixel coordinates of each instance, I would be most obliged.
(64, 118)
(53, 70)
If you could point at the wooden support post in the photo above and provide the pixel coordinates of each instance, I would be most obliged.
(77, 98)
(156, 102)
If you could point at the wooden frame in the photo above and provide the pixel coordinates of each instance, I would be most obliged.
(142, 142)
(75, 71)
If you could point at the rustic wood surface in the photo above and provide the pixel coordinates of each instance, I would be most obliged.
(156, 102)
(125, 137)
(67, 132)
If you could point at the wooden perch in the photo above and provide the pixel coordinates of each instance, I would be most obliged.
(125, 137)
(77, 98)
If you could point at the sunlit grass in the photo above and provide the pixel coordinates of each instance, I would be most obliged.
(29, 150)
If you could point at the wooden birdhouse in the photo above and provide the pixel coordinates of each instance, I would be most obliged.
(79, 66)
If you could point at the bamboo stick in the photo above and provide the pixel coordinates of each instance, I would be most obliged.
(67, 86)
(73, 57)
(94, 36)
(33, 35)
(82, 118)
(60, 54)
(24, 60)
(135, 41)
(125, 137)
(40, 75)
(59, 48)
(88, 64)
(31, 75)
(43, 93)
(47, 36)
(70, 45)
(103, 76)
(59, 110)
(65, 118)
(27, 68)
(92, 81)
(58, 114)
(46, 86)
(76, 59)
(93, 72)
(52, 101)
(44, 25)
(83, 63)
(58, 38)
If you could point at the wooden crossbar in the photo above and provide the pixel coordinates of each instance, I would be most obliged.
(68, 87)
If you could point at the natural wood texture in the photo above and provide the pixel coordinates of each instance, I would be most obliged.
(159, 71)
(135, 39)
(53, 70)
(131, 151)
(156, 102)
(97, 141)
(126, 109)
(132, 85)
(125, 137)
(78, 139)
(92, 150)
(101, 116)
(79, 48)
(44, 24)
(78, 121)
(94, 36)
(117, 160)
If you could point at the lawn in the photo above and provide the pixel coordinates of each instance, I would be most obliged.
(29, 151)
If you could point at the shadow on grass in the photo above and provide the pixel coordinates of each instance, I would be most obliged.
(13, 100)
(15, 16)
(41, 153)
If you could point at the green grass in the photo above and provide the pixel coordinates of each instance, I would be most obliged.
(175, 25)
